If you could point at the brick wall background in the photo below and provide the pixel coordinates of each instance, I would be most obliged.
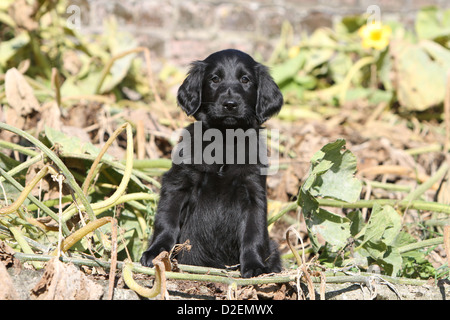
(186, 30)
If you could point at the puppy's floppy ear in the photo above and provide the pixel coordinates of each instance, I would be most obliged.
(270, 99)
(190, 92)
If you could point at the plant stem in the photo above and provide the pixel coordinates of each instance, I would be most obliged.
(290, 206)
(417, 204)
(116, 165)
(421, 244)
(58, 162)
(12, 146)
(110, 63)
(25, 192)
(33, 199)
(90, 175)
(427, 184)
(226, 277)
(111, 201)
(17, 234)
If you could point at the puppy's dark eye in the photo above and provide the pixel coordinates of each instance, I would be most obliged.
(245, 79)
(215, 79)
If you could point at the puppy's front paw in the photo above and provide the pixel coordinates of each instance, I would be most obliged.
(147, 258)
(253, 270)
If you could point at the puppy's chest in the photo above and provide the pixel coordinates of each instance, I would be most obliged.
(222, 187)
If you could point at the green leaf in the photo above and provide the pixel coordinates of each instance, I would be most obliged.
(421, 81)
(71, 144)
(288, 69)
(330, 169)
(384, 225)
(438, 53)
(320, 54)
(9, 48)
(338, 180)
(429, 25)
(380, 236)
(356, 222)
(334, 229)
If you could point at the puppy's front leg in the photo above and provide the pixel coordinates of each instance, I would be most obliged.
(254, 247)
(167, 221)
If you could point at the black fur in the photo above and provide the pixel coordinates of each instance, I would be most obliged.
(221, 208)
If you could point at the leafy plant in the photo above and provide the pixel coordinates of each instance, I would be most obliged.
(332, 67)
(349, 239)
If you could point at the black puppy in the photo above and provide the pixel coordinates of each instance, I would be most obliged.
(219, 203)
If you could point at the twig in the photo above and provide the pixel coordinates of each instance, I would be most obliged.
(447, 113)
(56, 84)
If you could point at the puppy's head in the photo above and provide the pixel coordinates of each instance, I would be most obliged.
(230, 89)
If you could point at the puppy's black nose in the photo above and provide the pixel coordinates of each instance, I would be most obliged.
(230, 105)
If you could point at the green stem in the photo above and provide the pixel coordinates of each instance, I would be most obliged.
(416, 204)
(58, 162)
(421, 244)
(427, 184)
(17, 234)
(212, 275)
(33, 199)
(289, 207)
(25, 192)
(15, 147)
(23, 166)
(110, 63)
(113, 164)
(152, 163)
(351, 73)
(111, 201)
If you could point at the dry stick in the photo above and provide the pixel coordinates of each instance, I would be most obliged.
(57, 85)
(112, 270)
(300, 262)
(447, 242)
(152, 85)
(447, 114)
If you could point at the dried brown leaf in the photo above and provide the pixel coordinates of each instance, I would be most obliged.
(23, 13)
(65, 282)
(19, 93)
(6, 254)
(7, 290)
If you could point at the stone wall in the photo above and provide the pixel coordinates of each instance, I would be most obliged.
(186, 30)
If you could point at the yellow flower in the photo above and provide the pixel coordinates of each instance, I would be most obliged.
(293, 52)
(375, 35)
